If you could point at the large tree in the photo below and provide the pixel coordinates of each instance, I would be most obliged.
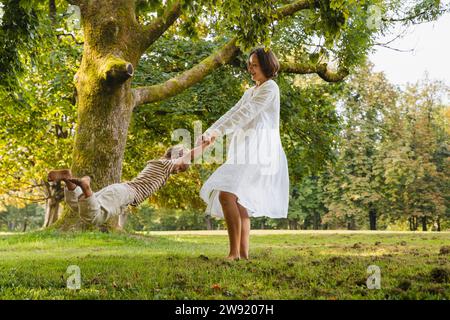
(117, 34)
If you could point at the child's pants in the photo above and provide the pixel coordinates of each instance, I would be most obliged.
(102, 205)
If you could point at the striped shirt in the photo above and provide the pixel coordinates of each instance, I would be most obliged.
(149, 180)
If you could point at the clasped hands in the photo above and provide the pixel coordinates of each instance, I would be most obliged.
(206, 139)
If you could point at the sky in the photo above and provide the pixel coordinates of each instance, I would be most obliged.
(431, 53)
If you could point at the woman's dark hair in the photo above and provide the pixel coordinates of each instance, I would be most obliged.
(267, 60)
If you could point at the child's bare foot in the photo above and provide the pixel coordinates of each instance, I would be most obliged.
(81, 182)
(84, 183)
(58, 175)
(232, 258)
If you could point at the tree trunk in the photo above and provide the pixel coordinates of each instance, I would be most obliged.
(413, 224)
(208, 223)
(55, 194)
(293, 224)
(316, 221)
(103, 94)
(373, 219)
(351, 224)
(424, 223)
(122, 221)
(438, 224)
(263, 222)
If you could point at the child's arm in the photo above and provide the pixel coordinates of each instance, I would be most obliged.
(182, 163)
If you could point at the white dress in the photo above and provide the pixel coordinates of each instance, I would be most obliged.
(256, 169)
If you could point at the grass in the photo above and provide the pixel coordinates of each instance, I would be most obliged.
(301, 265)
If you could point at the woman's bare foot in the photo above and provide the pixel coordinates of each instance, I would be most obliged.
(58, 175)
(244, 257)
(232, 258)
(84, 183)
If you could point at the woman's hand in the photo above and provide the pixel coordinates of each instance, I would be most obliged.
(209, 138)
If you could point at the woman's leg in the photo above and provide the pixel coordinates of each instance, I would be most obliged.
(245, 232)
(233, 220)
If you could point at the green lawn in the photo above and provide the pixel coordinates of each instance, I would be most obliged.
(301, 265)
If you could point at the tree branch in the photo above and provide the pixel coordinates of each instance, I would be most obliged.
(116, 70)
(321, 70)
(151, 32)
(394, 49)
(197, 73)
(12, 195)
(292, 8)
(188, 78)
(412, 17)
(59, 35)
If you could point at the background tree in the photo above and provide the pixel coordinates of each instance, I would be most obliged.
(37, 113)
(353, 192)
(416, 157)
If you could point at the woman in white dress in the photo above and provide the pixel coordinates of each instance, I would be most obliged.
(254, 180)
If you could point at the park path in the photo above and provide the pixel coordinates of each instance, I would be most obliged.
(258, 232)
(284, 232)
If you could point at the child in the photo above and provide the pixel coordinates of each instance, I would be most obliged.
(110, 201)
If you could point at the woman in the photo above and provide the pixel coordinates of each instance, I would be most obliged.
(253, 181)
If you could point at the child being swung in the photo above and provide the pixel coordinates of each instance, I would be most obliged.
(110, 201)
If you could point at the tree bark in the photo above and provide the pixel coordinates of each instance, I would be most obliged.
(321, 70)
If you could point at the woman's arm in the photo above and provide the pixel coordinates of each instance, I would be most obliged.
(242, 113)
(222, 120)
